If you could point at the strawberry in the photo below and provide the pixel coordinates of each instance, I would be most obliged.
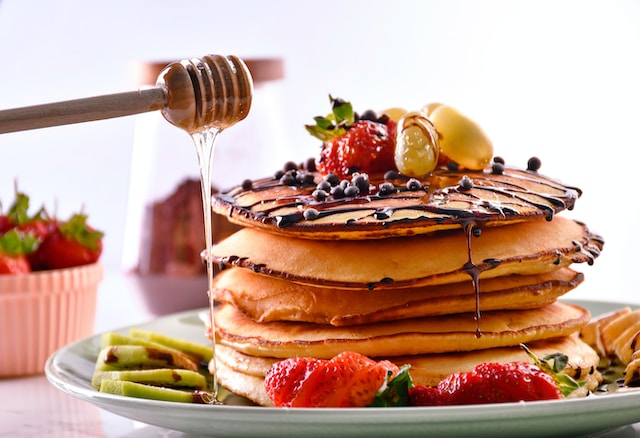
(352, 143)
(347, 380)
(500, 382)
(14, 248)
(71, 243)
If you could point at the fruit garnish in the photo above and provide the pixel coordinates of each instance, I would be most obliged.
(553, 364)
(417, 149)
(71, 243)
(15, 246)
(460, 138)
(489, 382)
(353, 143)
(347, 380)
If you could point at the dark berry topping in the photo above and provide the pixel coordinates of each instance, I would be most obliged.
(351, 191)
(310, 165)
(324, 185)
(290, 165)
(466, 183)
(413, 184)
(452, 166)
(361, 181)
(497, 168)
(279, 174)
(386, 189)
(391, 174)
(499, 160)
(310, 214)
(337, 192)
(332, 179)
(320, 195)
(369, 115)
(288, 179)
(534, 164)
(247, 184)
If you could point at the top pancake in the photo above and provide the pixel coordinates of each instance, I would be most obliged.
(526, 248)
(441, 202)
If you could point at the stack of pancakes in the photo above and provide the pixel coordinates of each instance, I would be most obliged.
(440, 273)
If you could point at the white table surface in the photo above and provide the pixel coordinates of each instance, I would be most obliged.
(31, 406)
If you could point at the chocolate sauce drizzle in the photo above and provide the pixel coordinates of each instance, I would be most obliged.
(467, 200)
(440, 199)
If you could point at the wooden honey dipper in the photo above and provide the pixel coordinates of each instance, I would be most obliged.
(209, 92)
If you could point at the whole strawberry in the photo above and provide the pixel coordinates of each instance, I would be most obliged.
(353, 143)
(71, 243)
(15, 246)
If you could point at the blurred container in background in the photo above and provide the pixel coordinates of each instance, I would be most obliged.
(164, 232)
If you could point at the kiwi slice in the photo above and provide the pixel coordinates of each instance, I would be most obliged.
(119, 357)
(169, 377)
(140, 390)
(200, 352)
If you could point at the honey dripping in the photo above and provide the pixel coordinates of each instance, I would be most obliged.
(204, 96)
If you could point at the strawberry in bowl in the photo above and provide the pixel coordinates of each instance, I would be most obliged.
(49, 277)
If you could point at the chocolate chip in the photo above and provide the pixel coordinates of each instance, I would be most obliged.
(247, 184)
(534, 164)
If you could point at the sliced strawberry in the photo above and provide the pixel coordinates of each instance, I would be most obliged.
(347, 380)
(286, 377)
(426, 396)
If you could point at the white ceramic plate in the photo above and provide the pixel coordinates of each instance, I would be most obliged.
(70, 370)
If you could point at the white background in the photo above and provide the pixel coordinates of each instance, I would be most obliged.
(556, 79)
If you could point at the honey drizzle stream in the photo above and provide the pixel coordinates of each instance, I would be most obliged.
(204, 142)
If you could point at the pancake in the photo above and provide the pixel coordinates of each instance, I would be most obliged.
(441, 202)
(439, 334)
(528, 248)
(244, 374)
(265, 299)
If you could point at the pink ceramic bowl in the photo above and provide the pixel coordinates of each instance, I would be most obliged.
(43, 311)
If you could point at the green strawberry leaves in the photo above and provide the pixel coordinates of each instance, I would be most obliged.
(394, 391)
(335, 124)
(76, 229)
(15, 243)
(553, 364)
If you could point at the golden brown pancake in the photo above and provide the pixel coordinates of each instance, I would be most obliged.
(264, 298)
(244, 374)
(438, 334)
(441, 202)
(528, 248)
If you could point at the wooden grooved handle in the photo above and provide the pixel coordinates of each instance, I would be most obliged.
(82, 110)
